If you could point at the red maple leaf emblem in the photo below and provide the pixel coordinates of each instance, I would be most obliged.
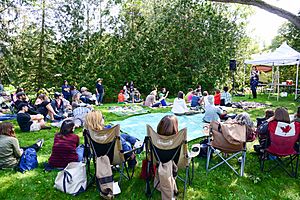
(286, 129)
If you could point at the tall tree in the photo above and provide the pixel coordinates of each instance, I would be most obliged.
(270, 8)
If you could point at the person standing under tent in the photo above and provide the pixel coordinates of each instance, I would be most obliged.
(254, 81)
(99, 91)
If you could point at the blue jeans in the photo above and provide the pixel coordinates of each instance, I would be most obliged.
(80, 151)
(127, 141)
(100, 97)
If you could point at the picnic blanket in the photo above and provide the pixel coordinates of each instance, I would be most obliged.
(136, 125)
(246, 105)
(127, 110)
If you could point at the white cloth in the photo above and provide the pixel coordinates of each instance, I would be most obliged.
(35, 126)
(179, 106)
(212, 113)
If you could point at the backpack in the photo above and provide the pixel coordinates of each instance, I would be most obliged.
(28, 160)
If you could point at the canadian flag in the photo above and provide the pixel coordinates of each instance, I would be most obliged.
(285, 129)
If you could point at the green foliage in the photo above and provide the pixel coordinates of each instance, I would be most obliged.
(174, 44)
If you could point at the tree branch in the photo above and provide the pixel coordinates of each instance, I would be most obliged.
(267, 7)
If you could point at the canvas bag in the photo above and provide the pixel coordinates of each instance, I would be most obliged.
(72, 179)
(104, 176)
(229, 137)
(166, 176)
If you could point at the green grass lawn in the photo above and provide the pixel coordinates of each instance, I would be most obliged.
(221, 183)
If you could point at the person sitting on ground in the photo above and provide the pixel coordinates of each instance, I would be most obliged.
(204, 100)
(87, 97)
(22, 98)
(73, 90)
(195, 99)
(179, 105)
(162, 97)
(168, 125)
(10, 151)
(44, 106)
(150, 100)
(280, 115)
(66, 147)
(94, 123)
(137, 96)
(189, 95)
(14, 96)
(76, 102)
(29, 122)
(217, 97)
(199, 88)
(244, 119)
(226, 97)
(212, 113)
(58, 106)
(121, 97)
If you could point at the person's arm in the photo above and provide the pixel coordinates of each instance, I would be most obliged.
(16, 148)
(50, 109)
(36, 117)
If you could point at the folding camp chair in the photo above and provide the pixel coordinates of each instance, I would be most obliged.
(106, 142)
(283, 148)
(161, 148)
(228, 138)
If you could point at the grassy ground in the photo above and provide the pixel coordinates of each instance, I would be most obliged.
(221, 183)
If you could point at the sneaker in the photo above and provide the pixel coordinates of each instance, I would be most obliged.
(40, 142)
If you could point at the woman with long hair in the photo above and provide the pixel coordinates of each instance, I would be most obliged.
(94, 123)
(280, 115)
(10, 151)
(66, 147)
(179, 105)
(168, 125)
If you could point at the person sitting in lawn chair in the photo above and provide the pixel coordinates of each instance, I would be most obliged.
(94, 123)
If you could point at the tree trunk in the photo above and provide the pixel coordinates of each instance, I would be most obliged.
(39, 73)
(294, 19)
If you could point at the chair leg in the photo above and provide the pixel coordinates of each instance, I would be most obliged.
(185, 181)
(262, 161)
(297, 166)
(243, 163)
(208, 159)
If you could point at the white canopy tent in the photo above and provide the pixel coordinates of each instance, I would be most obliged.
(282, 56)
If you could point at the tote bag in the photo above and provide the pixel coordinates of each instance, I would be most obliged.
(72, 179)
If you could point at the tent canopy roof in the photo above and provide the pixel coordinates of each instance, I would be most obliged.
(283, 55)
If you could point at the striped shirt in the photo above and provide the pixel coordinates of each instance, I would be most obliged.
(64, 150)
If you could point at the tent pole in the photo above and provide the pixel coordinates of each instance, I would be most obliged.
(278, 92)
(296, 89)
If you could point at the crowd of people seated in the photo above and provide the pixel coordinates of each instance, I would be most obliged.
(72, 103)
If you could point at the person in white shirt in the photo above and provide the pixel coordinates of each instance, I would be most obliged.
(226, 98)
(212, 113)
(179, 105)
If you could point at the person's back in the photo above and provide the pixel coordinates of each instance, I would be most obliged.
(212, 113)
(195, 101)
(217, 97)
(179, 106)
(121, 97)
(64, 150)
(150, 99)
(225, 97)
(9, 151)
(24, 121)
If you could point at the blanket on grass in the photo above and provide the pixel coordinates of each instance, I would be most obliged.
(136, 125)
(127, 110)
